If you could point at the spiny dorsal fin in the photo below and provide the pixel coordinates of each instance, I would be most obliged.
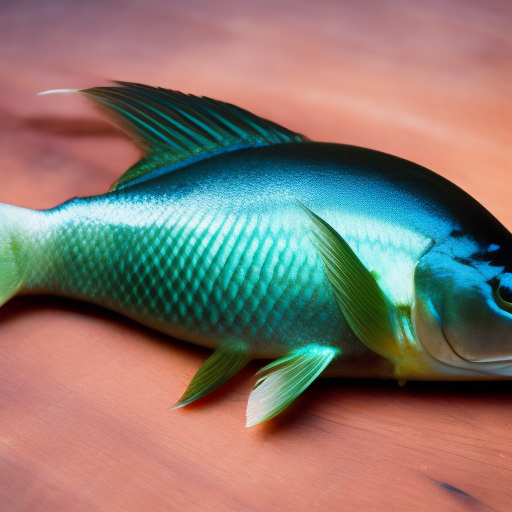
(176, 129)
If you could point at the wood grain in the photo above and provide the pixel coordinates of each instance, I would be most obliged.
(84, 393)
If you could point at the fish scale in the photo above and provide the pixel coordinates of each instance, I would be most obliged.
(244, 279)
(238, 234)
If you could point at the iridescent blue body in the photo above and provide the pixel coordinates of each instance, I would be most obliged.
(220, 251)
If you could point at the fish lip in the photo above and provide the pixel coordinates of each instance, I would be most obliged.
(479, 361)
(451, 346)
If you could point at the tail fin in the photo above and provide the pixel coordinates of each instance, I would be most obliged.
(10, 275)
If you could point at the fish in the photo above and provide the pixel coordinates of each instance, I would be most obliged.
(237, 234)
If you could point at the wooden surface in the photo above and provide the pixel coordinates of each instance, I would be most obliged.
(84, 393)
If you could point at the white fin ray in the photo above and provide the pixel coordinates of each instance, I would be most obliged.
(57, 91)
(285, 379)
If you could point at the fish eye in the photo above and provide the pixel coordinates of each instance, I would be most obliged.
(505, 293)
(505, 290)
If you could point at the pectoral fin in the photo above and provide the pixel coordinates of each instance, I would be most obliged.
(284, 380)
(223, 364)
(361, 300)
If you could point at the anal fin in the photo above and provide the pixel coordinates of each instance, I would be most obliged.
(285, 379)
(223, 364)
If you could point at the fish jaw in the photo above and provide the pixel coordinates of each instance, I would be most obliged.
(437, 360)
(455, 315)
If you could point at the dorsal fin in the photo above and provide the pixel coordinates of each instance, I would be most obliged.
(176, 129)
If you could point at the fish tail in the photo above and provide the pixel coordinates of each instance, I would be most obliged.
(11, 250)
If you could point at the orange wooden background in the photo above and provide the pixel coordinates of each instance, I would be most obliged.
(84, 393)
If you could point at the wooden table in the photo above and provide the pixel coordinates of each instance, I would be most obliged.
(84, 393)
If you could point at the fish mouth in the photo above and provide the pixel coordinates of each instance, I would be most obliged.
(434, 338)
(486, 362)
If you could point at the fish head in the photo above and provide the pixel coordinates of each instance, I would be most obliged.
(462, 308)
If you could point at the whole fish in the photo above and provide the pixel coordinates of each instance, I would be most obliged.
(237, 234)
